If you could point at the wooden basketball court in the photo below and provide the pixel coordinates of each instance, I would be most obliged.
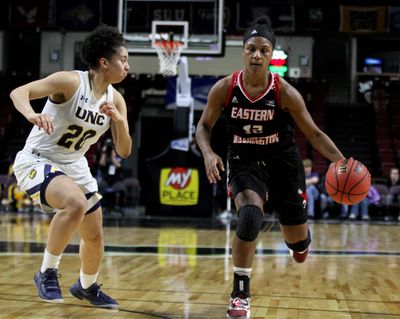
(181, 268)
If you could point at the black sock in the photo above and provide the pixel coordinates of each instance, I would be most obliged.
(241, 286)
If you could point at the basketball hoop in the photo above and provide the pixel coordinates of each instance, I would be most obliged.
(168, 54)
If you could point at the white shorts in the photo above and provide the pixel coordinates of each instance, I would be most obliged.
(33, 174)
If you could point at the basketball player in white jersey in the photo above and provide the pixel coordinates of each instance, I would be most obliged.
(52, 168)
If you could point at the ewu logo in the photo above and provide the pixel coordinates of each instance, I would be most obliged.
(179, 186)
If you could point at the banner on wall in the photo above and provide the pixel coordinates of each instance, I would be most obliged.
(362, 19)
(394, 19)
(316, 19)
(28, 13)
(282, 18)
(78, 14)
(177, 185)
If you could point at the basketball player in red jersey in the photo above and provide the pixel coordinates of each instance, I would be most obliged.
(264, 162)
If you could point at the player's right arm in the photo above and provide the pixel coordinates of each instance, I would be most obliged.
(59, 86)
(212, 111)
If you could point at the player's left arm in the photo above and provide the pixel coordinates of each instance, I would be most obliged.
(117, 112)
(292, 100)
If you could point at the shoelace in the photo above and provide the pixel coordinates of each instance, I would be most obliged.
(94, 289)
(51, 280)
(99, 294)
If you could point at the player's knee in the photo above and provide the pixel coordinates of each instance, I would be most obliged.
(300, 245)
(77, 206)
(94, 239)
(249, 223)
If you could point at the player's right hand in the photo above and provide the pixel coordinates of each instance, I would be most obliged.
(43, 121)
(214, 165)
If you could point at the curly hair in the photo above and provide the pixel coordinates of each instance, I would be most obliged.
(102, 42)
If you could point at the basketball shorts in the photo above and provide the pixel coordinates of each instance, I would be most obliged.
(34, 173)
(279, 180)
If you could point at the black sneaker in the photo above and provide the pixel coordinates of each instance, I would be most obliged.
(94, 295)
(47, 285)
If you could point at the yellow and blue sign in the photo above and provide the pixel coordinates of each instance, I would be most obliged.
(179, 186)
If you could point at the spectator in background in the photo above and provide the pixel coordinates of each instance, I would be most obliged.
(372, 198)
(312, 179)
(327, 203)
(393, 197)
(110, 177)
(14, 199)
(110, 162)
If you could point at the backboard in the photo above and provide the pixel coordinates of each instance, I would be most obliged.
(198, 24)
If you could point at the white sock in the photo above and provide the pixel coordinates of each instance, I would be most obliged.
(242, 271)
(49, 261)
(87, 280)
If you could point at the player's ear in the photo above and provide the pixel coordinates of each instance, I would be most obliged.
(103, 62)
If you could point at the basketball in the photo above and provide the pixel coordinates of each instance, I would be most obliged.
(347, 181)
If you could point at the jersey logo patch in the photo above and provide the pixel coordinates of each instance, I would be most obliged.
(270, 103)
(235, 100)
(32, 174)
(254, 31)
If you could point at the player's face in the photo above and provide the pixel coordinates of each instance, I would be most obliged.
(118, 66)
(257, 53)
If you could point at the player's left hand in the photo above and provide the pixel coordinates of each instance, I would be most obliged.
(108, 108)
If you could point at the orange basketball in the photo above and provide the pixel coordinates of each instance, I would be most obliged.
(347, 181)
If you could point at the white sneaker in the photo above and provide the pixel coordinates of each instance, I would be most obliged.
(239, 308)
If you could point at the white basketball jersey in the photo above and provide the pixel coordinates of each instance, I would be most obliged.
(77, 125)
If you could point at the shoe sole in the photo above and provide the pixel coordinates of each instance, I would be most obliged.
(51, 300)
(245, 317)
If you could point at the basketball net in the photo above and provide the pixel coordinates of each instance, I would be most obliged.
(168, 53)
